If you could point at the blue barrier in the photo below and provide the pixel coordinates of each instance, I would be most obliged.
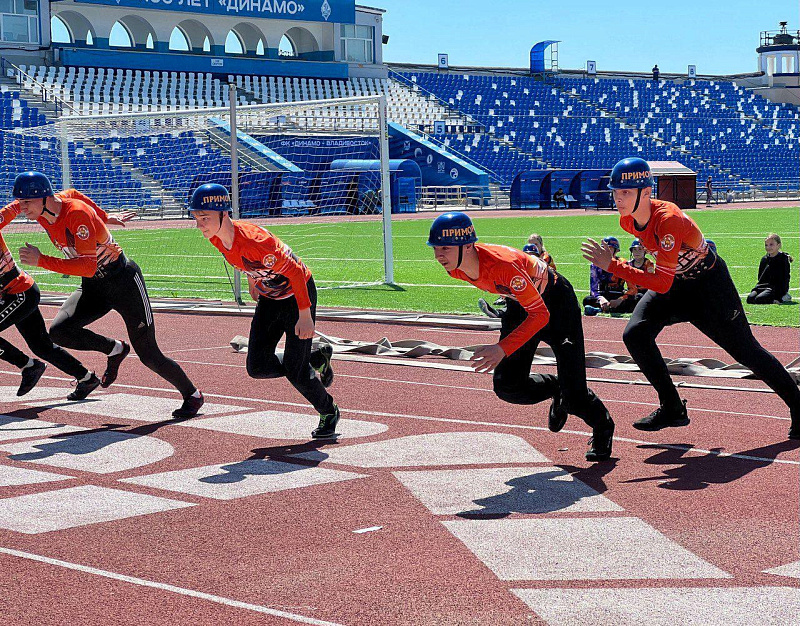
(531, 190)
(594, 189)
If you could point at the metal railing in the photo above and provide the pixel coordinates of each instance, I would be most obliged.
(782, 37)
(462, 197)
(755, 191)
(46, 93)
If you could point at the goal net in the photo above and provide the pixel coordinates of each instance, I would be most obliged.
(314, 173)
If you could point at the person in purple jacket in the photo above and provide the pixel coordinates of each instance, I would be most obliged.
(607, 293)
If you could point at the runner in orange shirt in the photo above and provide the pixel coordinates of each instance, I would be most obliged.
(19, 306)
(109, 281)
(533, 291)
(286, 299)
(691, 283)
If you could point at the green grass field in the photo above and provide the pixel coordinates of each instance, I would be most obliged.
(178, 262)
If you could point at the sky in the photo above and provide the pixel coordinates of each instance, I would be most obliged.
(718, 36)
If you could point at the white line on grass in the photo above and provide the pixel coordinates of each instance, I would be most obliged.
(166, 587)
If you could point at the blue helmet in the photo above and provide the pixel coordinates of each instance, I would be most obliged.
(531, 248)
(452, 229)
(611, 242)
(712, 245)
(210, 197)
(635, 243)
(32, 185)
(631, 173)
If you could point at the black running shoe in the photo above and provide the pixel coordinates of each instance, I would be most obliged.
(558, 414)
(600, 443)
(327, 425)
(325, 370)
(31, 376)
(664, 418)
(112, 366)
(191, 405)
(487, 309)
(84, 387)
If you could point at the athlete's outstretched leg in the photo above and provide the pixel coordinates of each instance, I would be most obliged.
(138, 316)
(133, 304)
(266, 329)
(34, 333)
(565, 336)
(723, 320)
(84, 306)
(13, 308)
(299, 372)
(649, 318)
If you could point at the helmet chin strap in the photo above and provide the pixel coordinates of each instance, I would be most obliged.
(45, 209)
(460, 256)
(221, 213)
(638, 200)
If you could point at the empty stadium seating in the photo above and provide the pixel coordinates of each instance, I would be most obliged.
(716, 128)
(503, 123)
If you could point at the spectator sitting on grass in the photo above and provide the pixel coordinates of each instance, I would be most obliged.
(543, 254)
(773, 274)
(640, 261)
(607, 293)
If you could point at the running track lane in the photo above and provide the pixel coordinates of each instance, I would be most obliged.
(295, 550)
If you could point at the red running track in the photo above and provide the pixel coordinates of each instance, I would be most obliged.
(718, 499)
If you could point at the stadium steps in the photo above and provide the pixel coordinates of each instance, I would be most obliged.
(633, 128)
(455, 117)
(247, 158)
(170, 205)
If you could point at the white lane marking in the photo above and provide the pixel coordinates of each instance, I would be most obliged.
(227, 346)
(142, 582)
(367, 530)
(400, 362)
(790, 569)
(733, 606)
(241, 479)
(487, 390)
(450, 420)
(556, 549)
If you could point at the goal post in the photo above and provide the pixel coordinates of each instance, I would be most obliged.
(316, 173)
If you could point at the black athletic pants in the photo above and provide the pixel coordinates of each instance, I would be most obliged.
(125, 293)
(711, 303)
(22, 310)
(513, 381)
(763, 295)
(272, 320)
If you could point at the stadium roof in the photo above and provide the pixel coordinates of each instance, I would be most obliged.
(669, 168)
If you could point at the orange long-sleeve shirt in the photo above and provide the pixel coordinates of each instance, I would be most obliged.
(672, 238)
(15, 279)
(517, 275)
(76, 264)
(81, 234)
(274, 268)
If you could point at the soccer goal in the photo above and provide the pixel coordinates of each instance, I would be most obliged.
(315, 173)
